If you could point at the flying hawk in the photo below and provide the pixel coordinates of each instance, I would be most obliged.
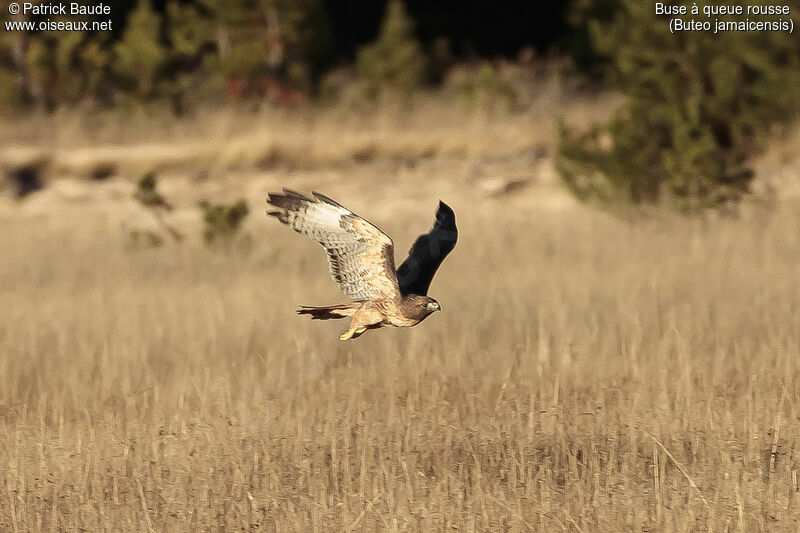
(361, 262)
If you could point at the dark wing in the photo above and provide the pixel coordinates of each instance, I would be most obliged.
(428, 252)
(360, 256)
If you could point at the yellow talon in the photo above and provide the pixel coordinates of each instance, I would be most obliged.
(351, 334)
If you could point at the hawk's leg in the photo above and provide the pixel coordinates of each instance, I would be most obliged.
(352, 333)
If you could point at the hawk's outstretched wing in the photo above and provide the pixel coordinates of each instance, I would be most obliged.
(428, 252)
(360, 256)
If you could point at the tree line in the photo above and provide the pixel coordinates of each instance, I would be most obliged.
(699, 104)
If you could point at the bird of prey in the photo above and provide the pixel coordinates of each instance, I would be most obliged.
(361, 262)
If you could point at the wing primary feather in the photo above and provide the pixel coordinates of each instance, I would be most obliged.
(360, 255)
(328, 200)
(429, 250)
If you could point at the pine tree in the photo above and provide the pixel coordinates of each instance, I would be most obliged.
(47, 68)
(140, 54)
(699, 106)
(395, 61)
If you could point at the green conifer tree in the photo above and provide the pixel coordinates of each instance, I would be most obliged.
(395, 61)
(141, 54)
(699, 106)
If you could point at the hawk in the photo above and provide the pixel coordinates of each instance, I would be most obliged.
(361, 262)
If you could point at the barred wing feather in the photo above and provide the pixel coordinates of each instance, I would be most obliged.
(360, 255)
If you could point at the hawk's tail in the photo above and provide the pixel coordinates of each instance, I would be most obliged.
(328, 312)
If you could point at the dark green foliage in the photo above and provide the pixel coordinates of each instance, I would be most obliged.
(395, 61)
(583, 16)
(140, 55)
(440, 59)
(306, 31)
(179, 52)
(143, 239)
(223, 223)
(244, 48)
(102, 171)
(699, 105)
(10, 79)
(49, 68)
(484, 87)
(24, 179)
(147, 194)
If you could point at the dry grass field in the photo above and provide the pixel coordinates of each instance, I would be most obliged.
(587, 373)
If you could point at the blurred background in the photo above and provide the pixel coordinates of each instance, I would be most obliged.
(617, 108)
(618, 347)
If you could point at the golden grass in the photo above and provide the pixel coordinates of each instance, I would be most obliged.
(78, 145)
(586, 374)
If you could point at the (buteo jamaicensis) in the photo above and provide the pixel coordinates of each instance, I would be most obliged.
(361, 262)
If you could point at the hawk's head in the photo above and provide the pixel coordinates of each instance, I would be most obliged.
(432, 305)
(419, 307)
